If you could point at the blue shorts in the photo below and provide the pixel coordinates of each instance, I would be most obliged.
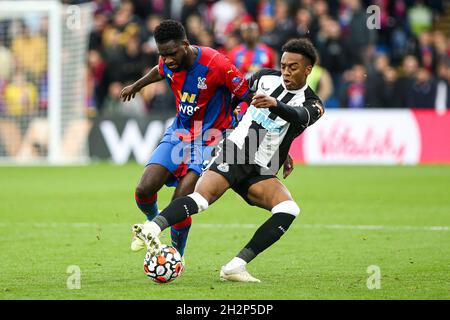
(180, 157)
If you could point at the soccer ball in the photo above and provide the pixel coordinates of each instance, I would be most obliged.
(165, 267)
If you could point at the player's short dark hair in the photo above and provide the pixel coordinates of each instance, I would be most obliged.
(169, 30)
(301, 46)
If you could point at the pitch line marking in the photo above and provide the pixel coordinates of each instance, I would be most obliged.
(233, 225)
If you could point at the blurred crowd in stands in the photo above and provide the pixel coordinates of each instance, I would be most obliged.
(23, 66)
(404, 64)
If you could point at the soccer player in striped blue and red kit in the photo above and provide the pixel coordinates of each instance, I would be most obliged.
(207, 88)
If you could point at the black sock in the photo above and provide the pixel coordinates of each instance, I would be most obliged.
(269, 233)
(176, 211)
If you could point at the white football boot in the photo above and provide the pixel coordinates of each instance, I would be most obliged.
(150, 239)
(137, 244)
(238, 274)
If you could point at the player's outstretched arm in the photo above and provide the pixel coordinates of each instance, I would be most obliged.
(305, 115)
(129, 92)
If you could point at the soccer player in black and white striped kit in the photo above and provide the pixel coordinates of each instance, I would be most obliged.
(247, 160)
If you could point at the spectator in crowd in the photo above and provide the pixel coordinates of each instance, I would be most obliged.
(436, 5)
(441, 45)
(21, 96)
(194, 26)
(243, 17)
(320, 10)
(303, 21)
(6, 62)
(251, 6)
(143, 8)
(132, 63)
(95, 71)
(252, 55)
(422, 93)
(385, 24)
(277, 25)
(426, 51)
(268, 30)
(160, 7)
(409, 68)
(126, 22)
(223, 14)
(206, 39)
(334, 52)
(443, 85)
(190, 9)
(158, 97)
(29, 51)
(360, 38)
(96, 34)
(113, 104)
(149, 48)
(354, 90)
(388, 96)
(3, 84)
(376, 73)
(307, 4)
(113, 53)
(320, 81)
(103, 6)
(420, 18)
(285, 24)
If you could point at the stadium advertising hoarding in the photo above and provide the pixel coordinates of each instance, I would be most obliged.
(376, 137)
(366, 137)
(388, 137)
(120, 138)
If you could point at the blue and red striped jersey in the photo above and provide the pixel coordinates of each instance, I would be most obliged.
(250, 61)
(203, 95)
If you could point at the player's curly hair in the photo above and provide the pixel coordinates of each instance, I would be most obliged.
(301, 46)
(169, 30)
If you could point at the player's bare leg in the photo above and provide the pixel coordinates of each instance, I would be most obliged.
(186, 185)
(151, 181)
(268, 193)
(211, 186)
(271, 195)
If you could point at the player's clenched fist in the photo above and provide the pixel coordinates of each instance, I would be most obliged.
(261, 100)
(128, 93)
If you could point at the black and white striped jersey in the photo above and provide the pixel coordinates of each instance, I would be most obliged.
(265, 135)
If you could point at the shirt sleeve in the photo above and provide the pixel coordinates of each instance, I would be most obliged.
(254, 79)
(302, 116)
(232, 78)
(161, 67)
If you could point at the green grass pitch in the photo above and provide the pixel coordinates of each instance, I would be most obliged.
(396, 218)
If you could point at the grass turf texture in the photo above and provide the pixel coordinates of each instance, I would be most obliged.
(51, 218)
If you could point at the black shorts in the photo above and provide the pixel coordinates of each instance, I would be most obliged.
(240, 176)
